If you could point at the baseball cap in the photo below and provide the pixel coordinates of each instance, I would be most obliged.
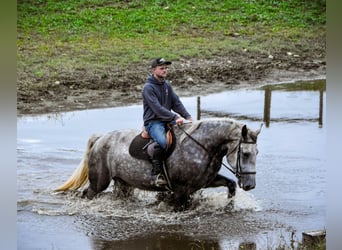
(159, 61)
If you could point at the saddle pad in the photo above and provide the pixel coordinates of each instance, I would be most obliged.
(138, 149)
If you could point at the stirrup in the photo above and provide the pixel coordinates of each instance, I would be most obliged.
(159, 180)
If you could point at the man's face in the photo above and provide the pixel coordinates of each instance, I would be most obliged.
(160, 71)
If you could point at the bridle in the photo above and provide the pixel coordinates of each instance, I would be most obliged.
(238, 173)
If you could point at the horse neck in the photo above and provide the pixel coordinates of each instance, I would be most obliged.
(214, 133)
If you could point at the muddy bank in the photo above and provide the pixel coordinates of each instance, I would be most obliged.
(86, 89)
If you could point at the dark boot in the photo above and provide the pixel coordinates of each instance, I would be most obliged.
(157, 178)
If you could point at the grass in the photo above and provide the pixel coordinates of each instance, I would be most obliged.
(55, 36)
(138, 19)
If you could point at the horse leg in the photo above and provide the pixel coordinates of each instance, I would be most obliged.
(88, 193)
(98, 175)
(165, 196)
(181, 201)
(224, 181)
(121, 189)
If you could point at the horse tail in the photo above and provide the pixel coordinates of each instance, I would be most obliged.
(80, 176)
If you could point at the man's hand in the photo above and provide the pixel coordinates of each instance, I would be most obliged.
(179, 121)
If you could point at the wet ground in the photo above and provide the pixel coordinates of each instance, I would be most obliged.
(289, 197)
(79, 89)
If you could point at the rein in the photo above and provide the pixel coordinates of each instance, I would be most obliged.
(192, 138)
(238, 171)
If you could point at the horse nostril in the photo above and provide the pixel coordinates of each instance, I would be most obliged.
(248, 187)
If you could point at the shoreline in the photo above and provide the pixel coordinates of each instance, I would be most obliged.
(94, 99)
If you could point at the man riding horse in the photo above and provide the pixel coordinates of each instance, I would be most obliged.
(158, 100)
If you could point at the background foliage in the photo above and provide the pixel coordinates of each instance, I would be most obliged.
(55, 36)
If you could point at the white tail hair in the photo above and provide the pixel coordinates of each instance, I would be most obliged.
(80, 176)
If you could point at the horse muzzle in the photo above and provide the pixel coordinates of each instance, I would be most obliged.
(246, 186)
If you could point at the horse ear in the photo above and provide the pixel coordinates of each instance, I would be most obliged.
(258, 131)
(244, 131)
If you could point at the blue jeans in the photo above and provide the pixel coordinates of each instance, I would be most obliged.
(156, 130)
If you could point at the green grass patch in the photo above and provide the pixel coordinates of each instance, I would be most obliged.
(125, 19)
(100, 33)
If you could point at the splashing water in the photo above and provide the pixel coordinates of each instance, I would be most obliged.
(143, 203)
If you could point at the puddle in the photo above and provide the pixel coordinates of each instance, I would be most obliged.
(289, 197)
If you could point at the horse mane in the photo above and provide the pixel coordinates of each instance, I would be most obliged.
(195, 125)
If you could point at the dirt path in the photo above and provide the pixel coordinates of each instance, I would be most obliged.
(82, 89)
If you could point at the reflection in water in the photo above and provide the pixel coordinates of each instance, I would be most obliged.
(160, 241)
(247, 246)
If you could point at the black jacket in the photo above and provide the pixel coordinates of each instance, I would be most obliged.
(158, 101)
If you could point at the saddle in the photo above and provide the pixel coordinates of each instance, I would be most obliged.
(139, 147)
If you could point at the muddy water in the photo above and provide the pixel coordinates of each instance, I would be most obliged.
(289, 197)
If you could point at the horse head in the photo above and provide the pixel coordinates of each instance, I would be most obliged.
(242, 159)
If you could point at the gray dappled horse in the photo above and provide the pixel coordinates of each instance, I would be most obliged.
(194, 163)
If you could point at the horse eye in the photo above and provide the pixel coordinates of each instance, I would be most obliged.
(246, 155)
